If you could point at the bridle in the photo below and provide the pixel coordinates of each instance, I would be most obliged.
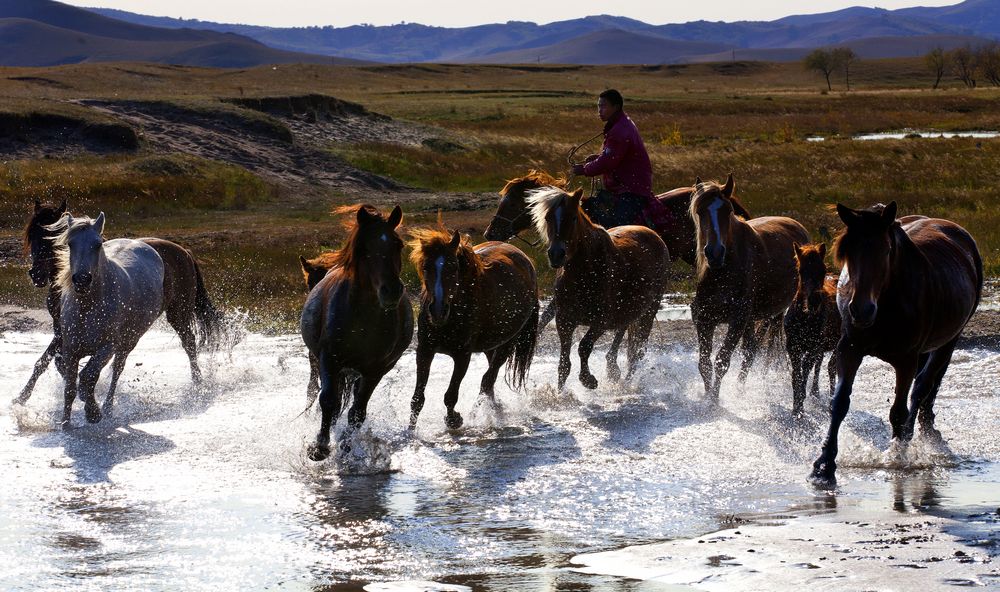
(510, 222)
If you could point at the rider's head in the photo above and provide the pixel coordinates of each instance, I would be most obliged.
(609, 102)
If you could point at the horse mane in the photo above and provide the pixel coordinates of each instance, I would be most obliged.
(46, 208)
(534, 178)
(842, 242)
(541, 201)
(428, 240)
(64, 275)
(347, 257)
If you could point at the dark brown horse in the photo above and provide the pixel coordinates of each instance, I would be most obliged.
(812, 323)
(746, 273)
(357, 318)
(907, 289)
(185, 300)
(606, 280)
(674, 226)
(314, 270)
(474, 299)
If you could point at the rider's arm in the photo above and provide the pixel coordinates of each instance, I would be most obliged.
(615, 147)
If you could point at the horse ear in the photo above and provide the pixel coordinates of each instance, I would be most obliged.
(889, 214)
(577, 196)
(798, 250)
(364, 216)
(38, 204)
(456, 239)
(846, 214)
(727, 190)
(303, 263)
(62, 208)
(98, 224)
(822, 250)
(395, 217)
(697, 180)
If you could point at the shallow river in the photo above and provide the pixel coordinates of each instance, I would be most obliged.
(209, 489)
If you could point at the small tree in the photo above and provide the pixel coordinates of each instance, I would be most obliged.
(844, 57)
(822, 61)
(937, 63)
(963, 65)
(988, 60)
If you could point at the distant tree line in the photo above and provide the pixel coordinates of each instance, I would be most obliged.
(968, 64)
(831, 61)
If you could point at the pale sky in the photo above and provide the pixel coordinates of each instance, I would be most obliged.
(462, 13)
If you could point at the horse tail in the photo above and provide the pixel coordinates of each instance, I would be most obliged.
(524, 351)
(211, 321)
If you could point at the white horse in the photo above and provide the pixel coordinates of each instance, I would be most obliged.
(111, 294)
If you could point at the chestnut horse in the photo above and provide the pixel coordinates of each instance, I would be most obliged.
(357, 318)
(474, 299)
(185, 299)
(674, 227)
(606, 280)
(745, 273)
(812, 323)
(907, 288)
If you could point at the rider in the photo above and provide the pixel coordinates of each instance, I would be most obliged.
(624, 166)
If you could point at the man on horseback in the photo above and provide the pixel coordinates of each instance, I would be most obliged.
(623, 165)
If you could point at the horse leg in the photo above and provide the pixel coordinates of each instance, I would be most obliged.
(452, 419)
(116, 371)
(182, 324)
(362, 393)
(831, 369)
(817, 364)
(925, 388)
(751, 342)
(795, 356)
(706, 334)
(906, 369)
(40, 366)
(425, 356)
(496, 358)
(547, 315)
(565, 331)
(638, 335)
(585, 348)
(848, 361)
(612, 370)
(735, 331)
(331, 382)
(88, 381)
(70, 366)
(312, 389)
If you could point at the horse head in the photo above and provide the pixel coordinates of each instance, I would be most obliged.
(556, 213)
(38, 242)
(441, 259)
(865, 250)
(379, 251)
(712, 210)
(513, 215)
(314, 270)
(82, 252)
(810, 260)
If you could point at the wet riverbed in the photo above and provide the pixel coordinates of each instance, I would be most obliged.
(208, 488)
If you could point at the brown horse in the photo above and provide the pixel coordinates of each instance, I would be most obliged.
(745, 272)
(674, 226)
(185, 300)
(314, 270)
(812, 323)
(357, 318)
(474, 299)
(907, 289)
(606, 280)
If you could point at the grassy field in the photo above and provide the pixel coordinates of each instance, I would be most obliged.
(749, 118)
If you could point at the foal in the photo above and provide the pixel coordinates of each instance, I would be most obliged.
(746, 273)
(606, 280)
(812, 323)
(474, 299)
(907, 288)
(358, 319)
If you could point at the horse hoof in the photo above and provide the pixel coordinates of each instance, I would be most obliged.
(614, 373)
(93, 413)
(823, 476)
(318, 452)
(453, 421)
(588, 381)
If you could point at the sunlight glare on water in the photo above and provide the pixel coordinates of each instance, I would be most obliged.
(204, 488)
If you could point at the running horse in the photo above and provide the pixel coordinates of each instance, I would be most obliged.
(357, 318)
(812, 323)
(185, 300)
(111, 292)
(907, 289)
(474, 299)
(745, 273)
(606, 280)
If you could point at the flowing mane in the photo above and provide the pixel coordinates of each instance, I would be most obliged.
(348, 256)
(64, 275)
(428, 242)
(541, 201)
(534, 178)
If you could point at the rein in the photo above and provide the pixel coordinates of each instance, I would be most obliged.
(510, 221)
(572, 153)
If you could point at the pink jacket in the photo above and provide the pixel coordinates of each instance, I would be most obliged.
(623, 162)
